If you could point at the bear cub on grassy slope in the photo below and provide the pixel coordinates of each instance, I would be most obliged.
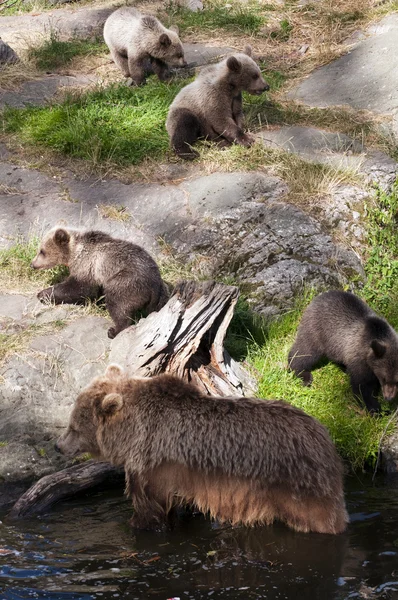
(243, 460)
(339, 326)
(139, 44)
(123, 272)
(211, 106)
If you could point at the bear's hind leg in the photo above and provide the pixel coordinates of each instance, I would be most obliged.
(187, 129)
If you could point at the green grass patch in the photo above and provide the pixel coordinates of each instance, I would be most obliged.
(381, 289)
(237, 18)
(16, 272)
(54, 53)
(114, 125)
(329, 399)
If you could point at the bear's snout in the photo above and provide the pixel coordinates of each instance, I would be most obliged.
(389, 392)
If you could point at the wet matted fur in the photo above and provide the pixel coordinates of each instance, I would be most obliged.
(243, 460)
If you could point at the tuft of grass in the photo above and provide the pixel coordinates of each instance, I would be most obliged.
(235, 17)
(306, 181)
(18, 342)
(3, 444)
(115, 212)
(16, 272)
(54, 53)
(118, 125)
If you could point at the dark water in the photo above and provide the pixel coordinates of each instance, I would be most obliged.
(84, 549)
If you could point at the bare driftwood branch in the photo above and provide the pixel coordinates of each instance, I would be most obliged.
(66, 483)
(184, 338)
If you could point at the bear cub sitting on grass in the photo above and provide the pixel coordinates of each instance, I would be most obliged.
(339, 326)
(243, 460)
(211, 106)
(139, 44)
(99, 264)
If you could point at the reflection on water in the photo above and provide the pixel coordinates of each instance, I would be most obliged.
(84, 549)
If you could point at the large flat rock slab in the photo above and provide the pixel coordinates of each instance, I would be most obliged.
(83, 22)
(38, 92)
(365, 78)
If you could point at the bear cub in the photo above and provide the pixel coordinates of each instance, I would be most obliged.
(211, 106)
(99, 264)
(243, 460)
(140, 45)
(340, 327)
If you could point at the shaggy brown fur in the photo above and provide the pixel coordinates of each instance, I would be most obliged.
(211, 106)
(125, 273)
(243, 460)
(141, 45)
(340, 327)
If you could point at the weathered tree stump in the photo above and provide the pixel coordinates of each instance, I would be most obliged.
(184, 338)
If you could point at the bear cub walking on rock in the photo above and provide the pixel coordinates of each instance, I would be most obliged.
(211, 106)
(125, 273)
(339, 326)
(139, 44)
(243, 460)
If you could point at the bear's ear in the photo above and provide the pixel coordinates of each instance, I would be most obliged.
(175, 29)
(164, 40)
(233, 64)
(378, 348)
(111, 404)
(248, 50)
(114, 372)
(149, 21)
(61, 237)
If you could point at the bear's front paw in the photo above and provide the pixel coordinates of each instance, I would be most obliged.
(46, 295)
(111, 333)
(306, 376)
(248, 139)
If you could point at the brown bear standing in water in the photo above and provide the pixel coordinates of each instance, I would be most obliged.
(340, 327)
(139, 44)
(125, 273)
(211, 106)
(243, 460)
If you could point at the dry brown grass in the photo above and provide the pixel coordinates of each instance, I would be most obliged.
(115, 212)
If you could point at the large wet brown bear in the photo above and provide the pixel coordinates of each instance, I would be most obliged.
(340, 327)
(243, 460)
(139, 44)
(123, 272)
(211, 106)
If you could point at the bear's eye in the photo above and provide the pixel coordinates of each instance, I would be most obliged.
(42, 252)
(180, 55)
(256, 76)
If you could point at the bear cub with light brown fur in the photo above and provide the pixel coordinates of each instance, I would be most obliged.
(99, 264)
(243, 460)
(340, 327)
(140, 45)
(211, 106)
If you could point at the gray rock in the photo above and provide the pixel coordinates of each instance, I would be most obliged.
(238, 226)
(39, 385)
(40, 91)
(389, 453)
(366, 77)
(193, 5)
(7, 55)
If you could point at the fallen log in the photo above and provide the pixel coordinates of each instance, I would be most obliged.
(64, 484)
(184, 338)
